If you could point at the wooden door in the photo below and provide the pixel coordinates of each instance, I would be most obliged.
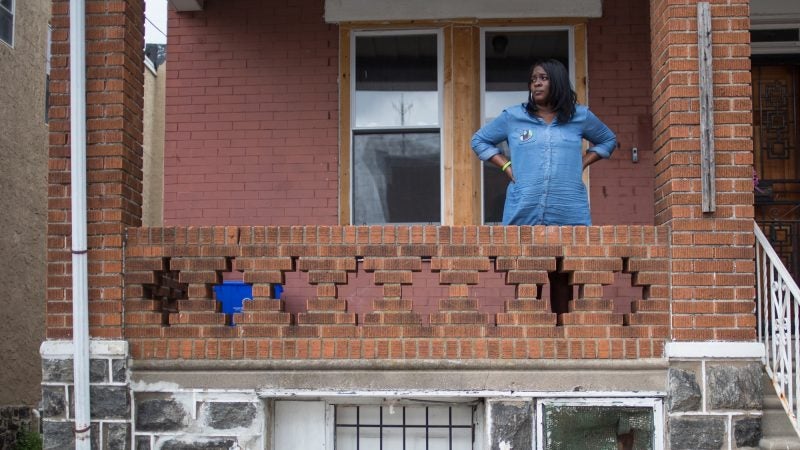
(775, 141)
(776, 158)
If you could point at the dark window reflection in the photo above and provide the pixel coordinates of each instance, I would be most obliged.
(396, 177)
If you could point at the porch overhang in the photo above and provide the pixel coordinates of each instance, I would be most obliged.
(372, 10)
(186, 5)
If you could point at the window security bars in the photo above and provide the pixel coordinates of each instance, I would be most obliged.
(778, 324)
(368, 427)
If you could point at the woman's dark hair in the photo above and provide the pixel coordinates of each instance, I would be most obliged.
(561, 96)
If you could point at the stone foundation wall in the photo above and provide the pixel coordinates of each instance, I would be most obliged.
(697, 402)
(199, 420)
(714, 404)
(14, 419)
(109, 390)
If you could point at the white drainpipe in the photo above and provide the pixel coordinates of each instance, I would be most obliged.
(80, 282)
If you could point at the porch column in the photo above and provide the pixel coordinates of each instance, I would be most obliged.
(114, 59)
(114, 85)
(712, 267)
(713, 272)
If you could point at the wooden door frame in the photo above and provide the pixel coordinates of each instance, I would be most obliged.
(461, 96)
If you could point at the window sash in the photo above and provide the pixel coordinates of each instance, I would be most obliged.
(431, 124)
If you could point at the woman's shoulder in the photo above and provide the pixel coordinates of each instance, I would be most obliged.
(582, 112)
(515, 109)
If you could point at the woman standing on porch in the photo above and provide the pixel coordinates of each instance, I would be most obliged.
(544, 136)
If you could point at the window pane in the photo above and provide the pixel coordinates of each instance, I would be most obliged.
(415, 416)
(438, 415)
(462, 416)
(601, 428)
(439, 439)
(393, 415)
(462, 438)
(381, 109)
(396, 178)
(7, 4)
(368, 440)
(507, 61)
(346, 415)
(393, 439)
(6, 26)
(369, 415)
(396, 81)
(345, 438)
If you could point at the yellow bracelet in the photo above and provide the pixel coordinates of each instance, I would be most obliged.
(505, 166)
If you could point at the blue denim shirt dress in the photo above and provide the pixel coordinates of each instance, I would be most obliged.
(547, 163)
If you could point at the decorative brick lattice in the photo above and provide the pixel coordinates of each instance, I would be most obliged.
(170, 308)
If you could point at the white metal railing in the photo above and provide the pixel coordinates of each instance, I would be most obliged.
(778, 299)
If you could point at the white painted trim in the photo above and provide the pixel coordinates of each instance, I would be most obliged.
(422, 393)
(370, 10)
(722, 350)
(149, 66)
(97, 349)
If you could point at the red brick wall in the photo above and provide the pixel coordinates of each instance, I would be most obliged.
(252, 124)
(619, 93)
(114, 89)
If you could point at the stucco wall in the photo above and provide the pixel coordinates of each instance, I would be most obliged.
(153, 146)
(23, 159)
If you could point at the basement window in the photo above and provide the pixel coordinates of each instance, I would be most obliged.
(612, 424)
(7, 21)
(404, 427)
(374, 423)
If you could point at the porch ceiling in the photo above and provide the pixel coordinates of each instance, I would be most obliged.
(186, 5)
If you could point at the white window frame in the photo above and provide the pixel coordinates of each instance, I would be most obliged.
(570, 29)
(440, 94)
(656, 404)
(776, 47)
(332, 402)
(12, 11)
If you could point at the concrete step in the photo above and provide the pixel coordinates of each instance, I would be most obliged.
(779, 443)
(776, 427)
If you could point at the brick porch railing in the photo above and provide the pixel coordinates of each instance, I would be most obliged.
(169, 310)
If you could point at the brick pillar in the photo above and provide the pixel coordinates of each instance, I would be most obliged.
(114, 58)
(713, 272)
